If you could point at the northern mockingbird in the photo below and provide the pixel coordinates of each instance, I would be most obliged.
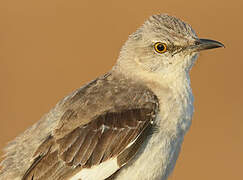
(128, 124)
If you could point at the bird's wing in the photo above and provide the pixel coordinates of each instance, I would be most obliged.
(111, 136)
(105, 122)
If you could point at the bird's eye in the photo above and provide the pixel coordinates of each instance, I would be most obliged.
(160, 47)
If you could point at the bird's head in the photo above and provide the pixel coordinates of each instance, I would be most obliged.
(164, 45)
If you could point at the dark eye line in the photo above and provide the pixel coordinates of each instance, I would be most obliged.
(176, 49)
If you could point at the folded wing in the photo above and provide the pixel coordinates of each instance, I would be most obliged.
(112, 135)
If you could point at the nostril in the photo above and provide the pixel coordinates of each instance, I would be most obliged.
(197, 42)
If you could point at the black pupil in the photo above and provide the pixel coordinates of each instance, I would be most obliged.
(160, 47)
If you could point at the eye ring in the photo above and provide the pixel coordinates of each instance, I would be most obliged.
(160, 47)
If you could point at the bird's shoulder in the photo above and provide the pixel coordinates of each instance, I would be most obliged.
(107, 93)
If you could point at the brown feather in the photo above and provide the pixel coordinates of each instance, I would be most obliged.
(100, 129)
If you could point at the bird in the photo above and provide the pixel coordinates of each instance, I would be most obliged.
(126, 124)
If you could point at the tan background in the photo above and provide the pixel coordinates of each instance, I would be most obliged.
(47, 49)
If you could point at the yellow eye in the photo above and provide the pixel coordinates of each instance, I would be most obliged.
(160, 47)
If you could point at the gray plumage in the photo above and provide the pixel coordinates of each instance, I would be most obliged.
(127, 124)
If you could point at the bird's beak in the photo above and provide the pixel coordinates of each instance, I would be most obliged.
(204, 44)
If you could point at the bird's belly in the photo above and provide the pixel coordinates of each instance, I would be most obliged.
(155, 161)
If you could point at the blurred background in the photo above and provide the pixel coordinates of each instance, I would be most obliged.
(48, 48)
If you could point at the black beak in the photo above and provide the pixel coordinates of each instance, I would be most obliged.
(204, 44)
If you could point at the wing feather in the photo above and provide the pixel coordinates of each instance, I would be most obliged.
(104, 138)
